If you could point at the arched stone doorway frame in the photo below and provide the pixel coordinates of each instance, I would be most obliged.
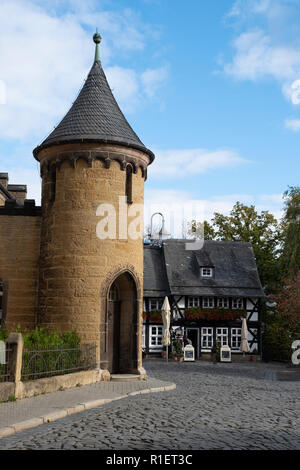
(135, 365)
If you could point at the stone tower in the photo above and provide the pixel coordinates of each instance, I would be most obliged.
(93, 168)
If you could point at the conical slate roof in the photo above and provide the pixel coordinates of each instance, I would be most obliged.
(94, 117)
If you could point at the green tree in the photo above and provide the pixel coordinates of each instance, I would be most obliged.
(282, 324)
(198, 230)
(245, 224)
(290, 227)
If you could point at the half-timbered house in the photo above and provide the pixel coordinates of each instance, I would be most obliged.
(210, 291)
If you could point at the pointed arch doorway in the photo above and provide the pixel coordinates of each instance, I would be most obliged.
(122, 325)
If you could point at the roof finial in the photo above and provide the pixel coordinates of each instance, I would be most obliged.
(97, 40)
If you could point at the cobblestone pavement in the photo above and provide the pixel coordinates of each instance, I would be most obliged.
(214, 406)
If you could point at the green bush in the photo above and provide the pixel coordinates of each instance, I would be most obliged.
(177, 348)
(41, 338)
(48, 352)
(3, 334)
(276, 343)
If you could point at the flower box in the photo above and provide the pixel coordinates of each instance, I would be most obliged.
(213, 314)
(154, 316)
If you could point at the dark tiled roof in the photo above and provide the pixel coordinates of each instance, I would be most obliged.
(234, 274)
(155, 276)
(95, 117)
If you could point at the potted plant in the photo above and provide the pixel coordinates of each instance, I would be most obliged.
(254, 355)
(216, 352)
(177, 350)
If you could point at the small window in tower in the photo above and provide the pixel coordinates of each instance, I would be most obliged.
(128, 184)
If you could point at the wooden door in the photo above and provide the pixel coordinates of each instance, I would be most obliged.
(113, 327)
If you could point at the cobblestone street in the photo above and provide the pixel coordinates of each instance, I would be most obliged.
(215, 406)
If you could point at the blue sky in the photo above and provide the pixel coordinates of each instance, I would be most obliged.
(212, 87)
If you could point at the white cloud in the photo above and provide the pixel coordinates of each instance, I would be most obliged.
(152, 79)
(130, 88)
(2, 92)
(179, 207)
(268, 48)
(257, 58)
(244, 8)
(292, 91)
(45, 57)
(184, 162)
(125, 86)
(293, 124)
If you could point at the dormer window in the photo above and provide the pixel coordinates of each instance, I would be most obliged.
(206, 272)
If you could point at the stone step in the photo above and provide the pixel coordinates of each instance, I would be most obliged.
(124, 377)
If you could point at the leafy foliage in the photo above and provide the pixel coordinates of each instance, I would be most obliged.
(3, 334)
(41, 338)
(245, 224)
(282, 325)
(177, 348)
(215, 314)
(290, 227)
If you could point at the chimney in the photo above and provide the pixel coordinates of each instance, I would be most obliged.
(4, 179)
(18, 191)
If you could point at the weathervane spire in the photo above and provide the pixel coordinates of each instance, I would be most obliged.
(97, 39)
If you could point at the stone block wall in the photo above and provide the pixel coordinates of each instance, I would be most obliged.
(76, 267)
(19, 255)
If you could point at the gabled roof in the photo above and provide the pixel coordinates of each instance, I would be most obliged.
(234, 274)
(95, 117)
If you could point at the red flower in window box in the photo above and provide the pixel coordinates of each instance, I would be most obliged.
(154, 316)
(213, 314)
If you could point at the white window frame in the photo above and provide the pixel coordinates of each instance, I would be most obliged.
(206, 272)
(236, 338)
(222, 335)
(144, 337)
(155, 333)
(207, 337)
(223, 302)
(208, 302)
(237, 303)
(194, 301)
(157, 302)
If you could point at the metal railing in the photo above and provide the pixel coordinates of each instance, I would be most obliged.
(48, 363)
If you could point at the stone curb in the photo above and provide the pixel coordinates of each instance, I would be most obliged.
(34, 422)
